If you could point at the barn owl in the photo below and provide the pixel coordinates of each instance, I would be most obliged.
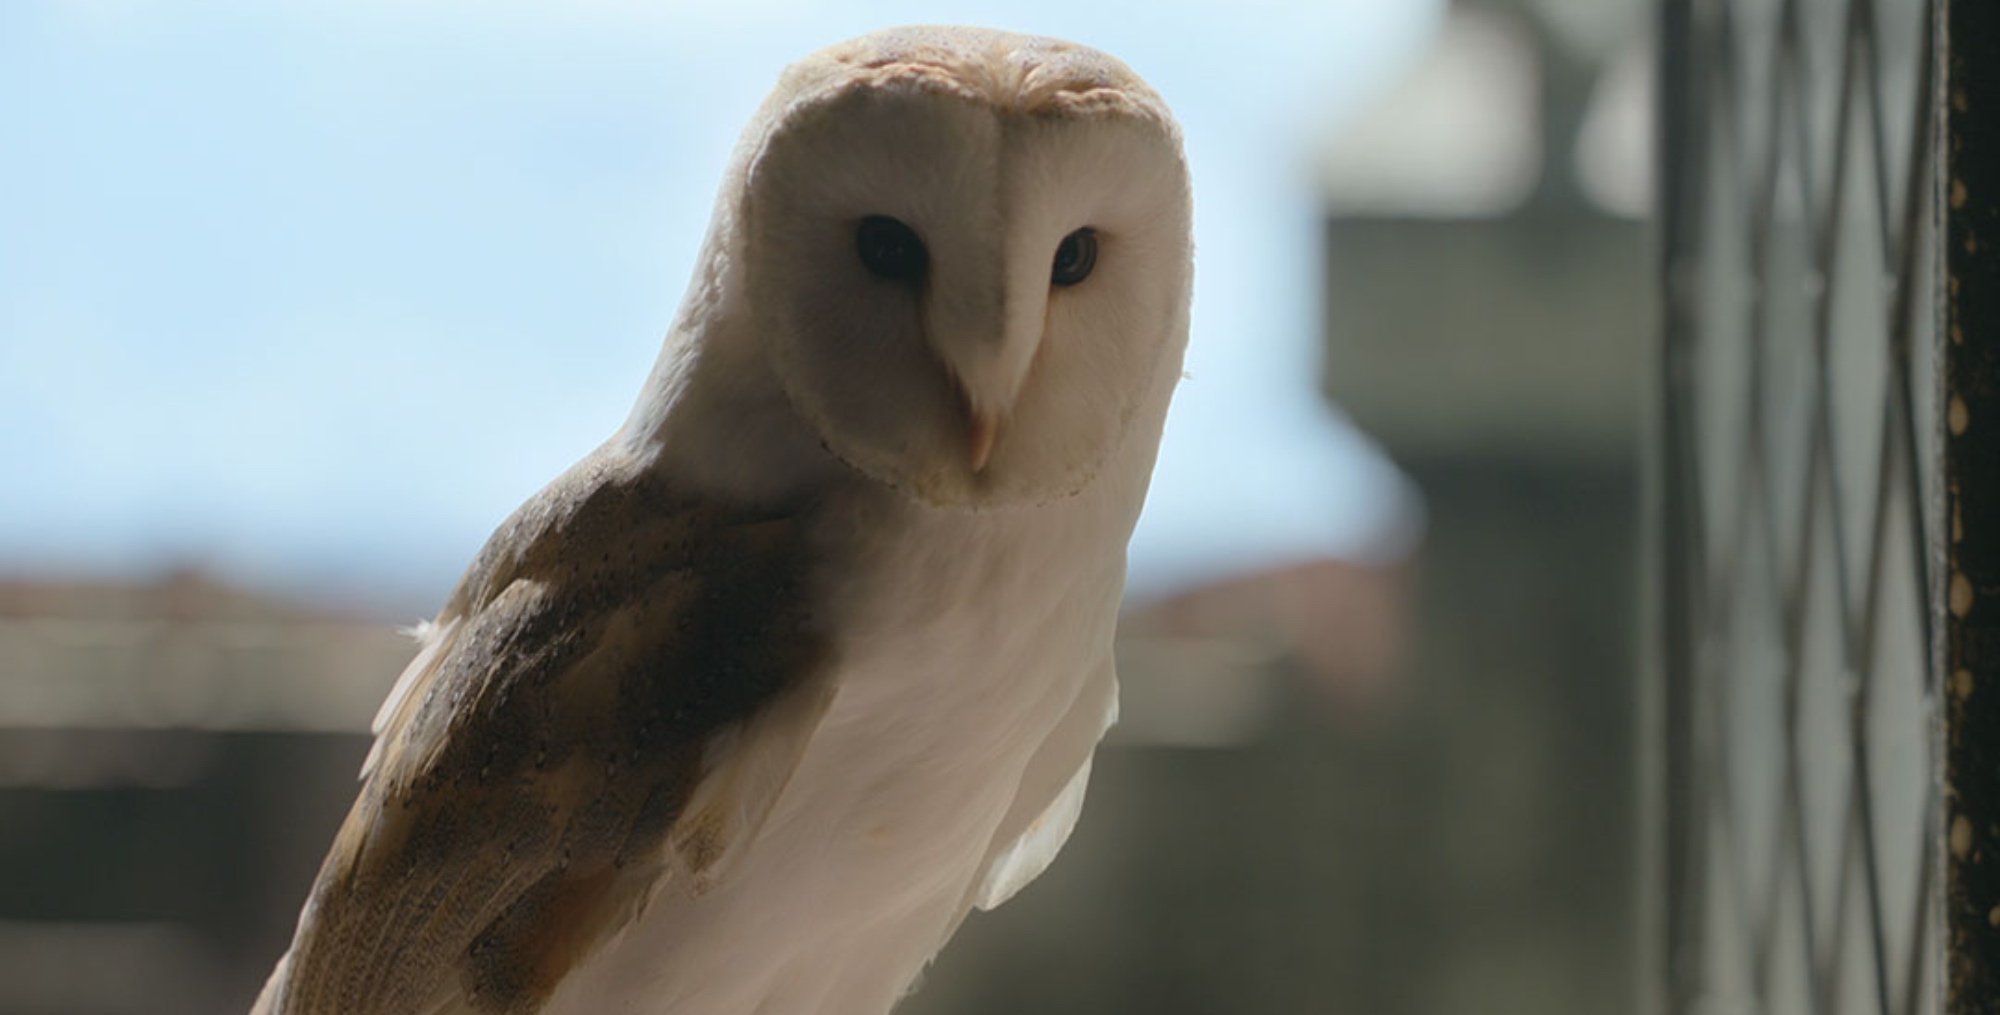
(745, 712)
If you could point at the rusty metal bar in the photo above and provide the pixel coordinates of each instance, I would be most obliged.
(1971, 381)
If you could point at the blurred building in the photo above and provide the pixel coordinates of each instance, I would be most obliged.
(174, 758)
(1488, 311)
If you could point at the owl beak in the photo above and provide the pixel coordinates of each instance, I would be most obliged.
(983, 431)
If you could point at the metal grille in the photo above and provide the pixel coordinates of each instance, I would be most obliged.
(1801, 472)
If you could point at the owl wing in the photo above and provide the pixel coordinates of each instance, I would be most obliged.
(614, 696)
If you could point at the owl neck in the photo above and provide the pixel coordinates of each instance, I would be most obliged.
(713, 416)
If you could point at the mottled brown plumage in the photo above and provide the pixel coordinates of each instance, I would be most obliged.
(523, 794)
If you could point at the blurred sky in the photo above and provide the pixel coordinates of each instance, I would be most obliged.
(314, 293)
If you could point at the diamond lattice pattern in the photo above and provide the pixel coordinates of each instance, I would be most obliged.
(1805, 387)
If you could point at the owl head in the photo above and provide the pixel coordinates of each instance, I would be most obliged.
(966, 257)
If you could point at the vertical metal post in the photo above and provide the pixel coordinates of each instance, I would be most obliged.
(1680, 159)
(1971, 576)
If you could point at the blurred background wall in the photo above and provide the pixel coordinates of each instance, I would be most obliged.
(1376, 754)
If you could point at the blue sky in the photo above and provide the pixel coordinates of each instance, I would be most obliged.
(314, 293)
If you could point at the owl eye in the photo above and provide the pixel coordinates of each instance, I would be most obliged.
(1075, 256)
(890, 249)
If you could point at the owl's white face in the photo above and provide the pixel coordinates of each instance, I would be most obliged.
(967, 276)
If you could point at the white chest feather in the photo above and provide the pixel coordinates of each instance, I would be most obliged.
(969, 641)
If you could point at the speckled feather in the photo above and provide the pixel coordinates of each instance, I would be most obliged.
(520, 801)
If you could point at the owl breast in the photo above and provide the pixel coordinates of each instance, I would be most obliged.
(963, 640)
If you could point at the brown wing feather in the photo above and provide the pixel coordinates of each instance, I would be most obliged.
(525, 789)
